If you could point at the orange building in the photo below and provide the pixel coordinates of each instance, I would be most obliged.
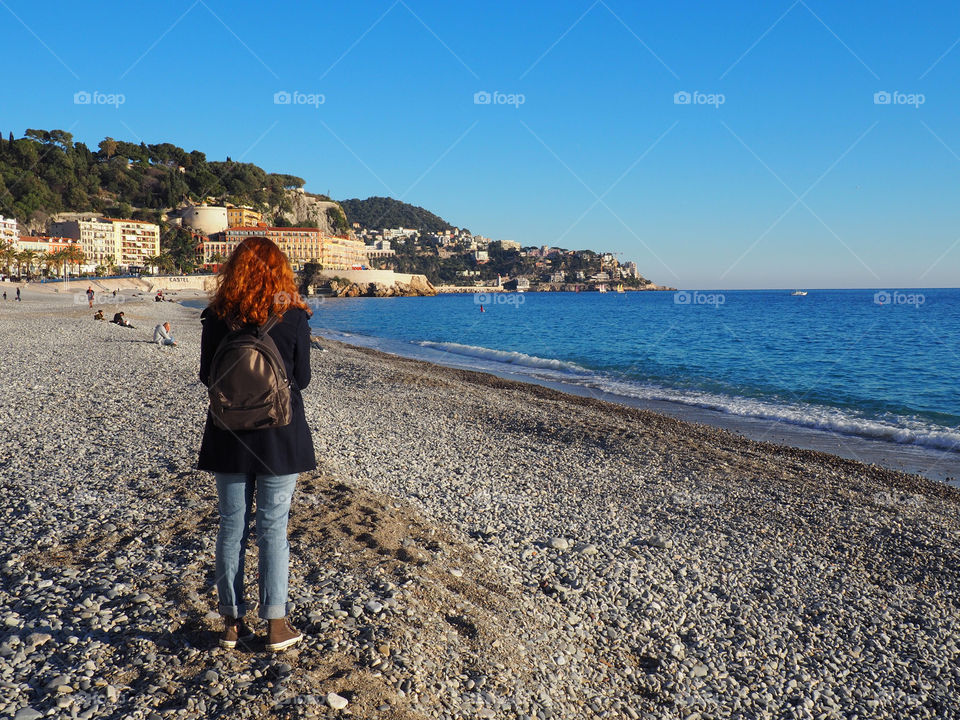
(301, 245)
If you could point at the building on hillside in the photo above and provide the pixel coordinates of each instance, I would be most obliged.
(379, 249)
(481, 256)
(243, 216)
(509, 244)
(208, 219)
(343, 253)
(300, 245)
(109, 241)
(394, 233)
(630, 270)
(9, 231)
(557, 277)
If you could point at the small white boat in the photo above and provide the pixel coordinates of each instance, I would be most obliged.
(800, 293)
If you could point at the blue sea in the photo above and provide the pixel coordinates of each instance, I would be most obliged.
(874, 371)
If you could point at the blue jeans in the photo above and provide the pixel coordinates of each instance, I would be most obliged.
(273, 493)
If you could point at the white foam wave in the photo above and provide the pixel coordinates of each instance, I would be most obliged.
(905, 431)
(503, 356)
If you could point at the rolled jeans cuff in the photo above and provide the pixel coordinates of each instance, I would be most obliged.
(232, 611)
(275, 612)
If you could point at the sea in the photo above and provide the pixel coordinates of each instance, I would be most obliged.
(872, 375)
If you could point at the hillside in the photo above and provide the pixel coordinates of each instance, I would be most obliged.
(377, 213)
(46, 172)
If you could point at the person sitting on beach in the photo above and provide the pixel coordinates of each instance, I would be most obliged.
(159, 296)
(98, 315)
(256, 285)
(120, 320)
(162, 336)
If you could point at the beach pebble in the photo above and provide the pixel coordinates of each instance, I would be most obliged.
(27, 713)
(659, 541)
(337, 702)
(787, 599)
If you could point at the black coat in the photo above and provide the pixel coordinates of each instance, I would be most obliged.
(270, 451)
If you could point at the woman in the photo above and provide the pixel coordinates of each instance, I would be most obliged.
(255, 283)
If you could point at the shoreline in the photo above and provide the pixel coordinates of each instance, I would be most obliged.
(469, 547)
(910, 458)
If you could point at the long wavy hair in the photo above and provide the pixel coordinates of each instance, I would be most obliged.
(255, 282)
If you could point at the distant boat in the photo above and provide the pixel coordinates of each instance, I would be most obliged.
(619, 288)
(601, 288)
(801, 293)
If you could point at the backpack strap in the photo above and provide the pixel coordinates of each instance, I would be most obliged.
(268, 325)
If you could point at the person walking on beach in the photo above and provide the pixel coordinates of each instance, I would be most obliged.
(18, 295)
(90, 295)
(256, 285)
(162, 336)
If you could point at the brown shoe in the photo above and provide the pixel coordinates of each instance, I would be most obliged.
(234, 630)
(281, 635)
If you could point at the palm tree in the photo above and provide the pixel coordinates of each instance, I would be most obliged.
(20, 258)
(28, 258)
(51, 260)
(73, 254)
(8, 254)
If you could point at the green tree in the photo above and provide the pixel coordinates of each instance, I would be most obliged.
(8, 255)
(27, 258)
(108, 146)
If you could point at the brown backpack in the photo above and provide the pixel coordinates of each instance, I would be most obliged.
(249, 389)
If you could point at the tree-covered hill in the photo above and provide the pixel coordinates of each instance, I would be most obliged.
(46, 172)
(377, 213)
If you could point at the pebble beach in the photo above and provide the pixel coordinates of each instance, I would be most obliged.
(469, 547)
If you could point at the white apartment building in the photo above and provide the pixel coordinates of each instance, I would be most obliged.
(379, 249)
(395, 233)
(126, 243)
(137, 240)
(9, 232)
(97, 240)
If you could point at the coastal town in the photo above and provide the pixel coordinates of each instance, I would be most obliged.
(128, 209)
(102, 247)
(89, 244)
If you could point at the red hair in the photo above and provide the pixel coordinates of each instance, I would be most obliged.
(255, 282)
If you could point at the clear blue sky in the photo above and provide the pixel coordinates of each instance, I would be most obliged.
(700, 196)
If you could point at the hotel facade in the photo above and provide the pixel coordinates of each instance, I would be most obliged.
(300, 245)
